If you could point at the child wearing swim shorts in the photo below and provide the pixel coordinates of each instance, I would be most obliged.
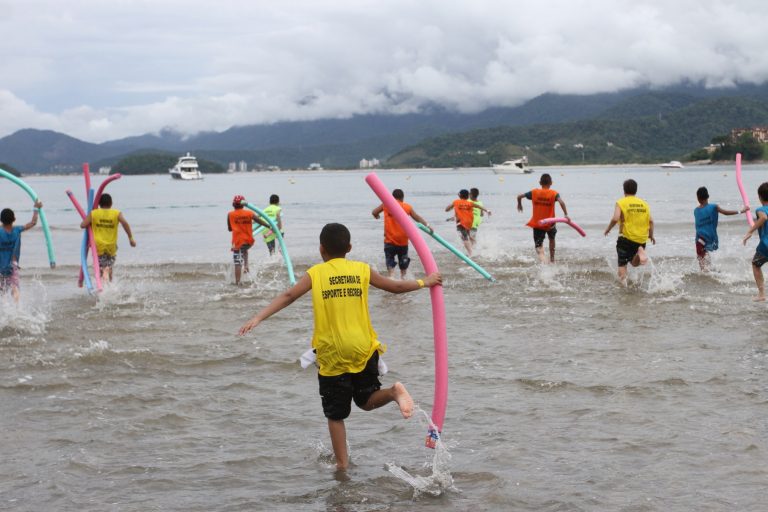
(346, 345)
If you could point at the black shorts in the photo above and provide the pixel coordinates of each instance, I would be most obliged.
(337, 392)
(401, 251)
(626, 250)
(271, 246)
(463, 232)
(538, 236)
(759, 259)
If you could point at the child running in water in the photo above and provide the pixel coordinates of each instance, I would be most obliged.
(761, 253)
(346, 345)
(104, 220)
(395, 239)
(635, 228)
(543, 200)
(477, 212)
(273, 211)
(240, 223)
(10, 249)
(463, 211)
(706, 216)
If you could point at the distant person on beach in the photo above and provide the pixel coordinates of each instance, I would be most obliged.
(345, 343)
(104, 220)
(761, 253)
(240, 223)
(706, 216)
(10, 249)
(543, 202)
(463, 214)
(273, 211)
(478, 211)
(395, 239)
(635, 228)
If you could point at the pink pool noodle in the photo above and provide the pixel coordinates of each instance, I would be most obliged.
(100, 191)
(552, 220)
(744, 197)
(91, 243)
(436, 295)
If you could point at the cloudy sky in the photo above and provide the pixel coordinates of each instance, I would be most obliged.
(105, 69)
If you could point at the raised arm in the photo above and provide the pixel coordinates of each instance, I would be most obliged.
(282, 301)
(732, 212)
(377, 211)
(761, 218)
(419, 218)
(399, 286)
(614, 220)
(31, 223)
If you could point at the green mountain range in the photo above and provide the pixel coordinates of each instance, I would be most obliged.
(637, 125)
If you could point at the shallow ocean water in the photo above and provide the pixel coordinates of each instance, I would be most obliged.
(566, 391)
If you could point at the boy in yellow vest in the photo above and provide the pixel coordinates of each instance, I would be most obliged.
(104, 220)
(273, 210)
(636, 227)
(346, 345)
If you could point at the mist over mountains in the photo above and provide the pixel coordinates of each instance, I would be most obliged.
(341, 143)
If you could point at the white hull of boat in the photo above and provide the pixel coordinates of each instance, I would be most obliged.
(519, 166)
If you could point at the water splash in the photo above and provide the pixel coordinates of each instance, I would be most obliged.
(30, 314)
(440, 480)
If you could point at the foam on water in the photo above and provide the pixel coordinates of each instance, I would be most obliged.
(440, 479)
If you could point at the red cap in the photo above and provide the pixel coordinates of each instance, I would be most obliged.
(237, 200)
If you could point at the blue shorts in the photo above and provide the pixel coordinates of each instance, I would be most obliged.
(401, 251)
(238, 255)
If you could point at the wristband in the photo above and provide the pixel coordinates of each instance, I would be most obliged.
(420, 282)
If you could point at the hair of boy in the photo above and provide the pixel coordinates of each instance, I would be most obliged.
(7, 217)
(464, 193)
(702, 194)
(630, 187)
(473, 192)
(398, 194)
(105, 201)
(274, 199)
(335, 239)
(545, 179)
(762, 192)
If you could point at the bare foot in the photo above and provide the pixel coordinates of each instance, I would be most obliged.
(759, 299)
(641, 256)
(403, 399)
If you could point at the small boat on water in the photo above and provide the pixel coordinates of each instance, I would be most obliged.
(186, 169)
(519, 166)
(674, 164)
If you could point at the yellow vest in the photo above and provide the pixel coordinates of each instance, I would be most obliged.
(636, 219)
(344, 338)
(104, 222)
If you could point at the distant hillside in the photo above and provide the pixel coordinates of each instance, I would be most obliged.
(47, 151)
(343, 142)
(644, 139)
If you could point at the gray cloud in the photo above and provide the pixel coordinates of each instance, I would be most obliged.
(104, 70)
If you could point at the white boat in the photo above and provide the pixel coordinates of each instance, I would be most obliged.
(519, 166)
(674, 164)
(186, 169)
